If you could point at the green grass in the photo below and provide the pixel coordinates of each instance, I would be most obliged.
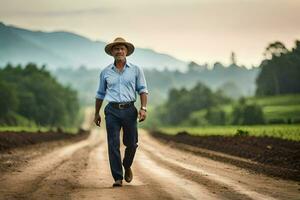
(288, 132)
(281, 100)
(283, 107)
(286, 112)
(279, 107)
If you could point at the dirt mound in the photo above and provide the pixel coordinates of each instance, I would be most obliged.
(277, 157)
(9, 140)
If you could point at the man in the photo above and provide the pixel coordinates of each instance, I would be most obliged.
(119, 83)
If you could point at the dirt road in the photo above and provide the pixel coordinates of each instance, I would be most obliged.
(81, 171)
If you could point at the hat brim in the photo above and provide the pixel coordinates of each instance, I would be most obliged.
(130, 47)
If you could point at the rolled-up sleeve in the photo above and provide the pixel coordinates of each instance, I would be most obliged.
(141, 85)
(102, 87)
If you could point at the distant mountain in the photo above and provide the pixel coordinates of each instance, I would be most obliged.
(65, 49)
(65, 52)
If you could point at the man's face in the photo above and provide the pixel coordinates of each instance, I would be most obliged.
(119, 52)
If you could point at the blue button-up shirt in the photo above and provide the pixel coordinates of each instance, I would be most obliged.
(115, 86)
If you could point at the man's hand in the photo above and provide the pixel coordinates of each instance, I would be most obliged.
(97, 120)
(142, 115)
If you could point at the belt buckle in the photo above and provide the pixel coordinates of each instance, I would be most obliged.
(121, 106)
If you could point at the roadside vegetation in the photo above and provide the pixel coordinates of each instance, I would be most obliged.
(31, 97)
(274, 111)
(288, 132)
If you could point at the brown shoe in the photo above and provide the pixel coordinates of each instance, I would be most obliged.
(128, 175)
(117, 183)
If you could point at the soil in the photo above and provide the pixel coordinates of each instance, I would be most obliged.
(10, 140)
(77, 167)
(80, 170)
(271, 156)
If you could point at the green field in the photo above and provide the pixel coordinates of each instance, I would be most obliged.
(289, 132)
(281, 100)
(286, 107)
(283, 107)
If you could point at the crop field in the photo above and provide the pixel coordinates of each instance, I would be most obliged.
(288, 132)
(282, 108)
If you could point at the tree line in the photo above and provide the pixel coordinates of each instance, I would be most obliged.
(280, 71)
(235, 80)
(31, 95)
(182, 106)
(279, 74)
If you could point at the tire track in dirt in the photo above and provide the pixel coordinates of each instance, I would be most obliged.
(59, 183)
(14, 159)
(176, 186)
(225, 188)
(26, 181)
(96, 181)
(222, 191)
(212, 173)
(81, 171)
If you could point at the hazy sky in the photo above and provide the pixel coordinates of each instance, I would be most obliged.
(199, 30)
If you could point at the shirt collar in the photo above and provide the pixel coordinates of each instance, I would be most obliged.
(127, 64)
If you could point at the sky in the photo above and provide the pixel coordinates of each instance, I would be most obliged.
(204, 31)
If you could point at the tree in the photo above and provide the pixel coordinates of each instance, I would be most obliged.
(233, 58)
(32, 93)
(215, 116)
(8, 98)
(279, 74)
(247, 114)
(182, 102)
(275, 49)
(253, 114)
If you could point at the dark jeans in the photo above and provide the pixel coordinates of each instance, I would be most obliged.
(115, 120)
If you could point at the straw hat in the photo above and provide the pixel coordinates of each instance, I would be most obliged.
(119, 40)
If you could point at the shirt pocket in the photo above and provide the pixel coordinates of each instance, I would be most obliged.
(129, 79)
(112, 81)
